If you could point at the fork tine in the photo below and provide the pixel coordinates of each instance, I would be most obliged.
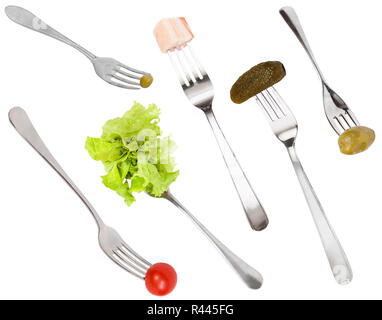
(262, 103)
(133, 258)
(197, 62)
(178, 69)
(183, 66)
(278, 100)
(193, 63)
(121, 65)
(337, 125)
(344, 122)
(127, 267)
(128, 261)
(352, 117)
(131, 251)
(125, 80)
(273, 104)
(117, 84)
(128, 74)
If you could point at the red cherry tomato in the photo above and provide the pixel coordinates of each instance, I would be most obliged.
(161, 279)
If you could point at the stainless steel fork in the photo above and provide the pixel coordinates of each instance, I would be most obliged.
(339, 115)
(198, 88)
(108, 69)
(110, 241)
(284, 126)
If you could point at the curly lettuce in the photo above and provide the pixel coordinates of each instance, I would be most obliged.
(135, 156)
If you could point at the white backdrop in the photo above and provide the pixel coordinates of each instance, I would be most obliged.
(48, 240)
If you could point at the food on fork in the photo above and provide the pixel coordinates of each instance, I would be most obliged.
(172, 33)
(353, 138)
(257, 79)
(285, 128)
(135, 156)
(146, 81)
(356, 140)
(138, 159)
(108, 69)
(198, 88)
(161, 279)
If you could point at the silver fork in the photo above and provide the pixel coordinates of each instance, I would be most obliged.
(110, 241)
(340, 117)
(250, 276)
(108, 69)
(198, 88)
(284, 126)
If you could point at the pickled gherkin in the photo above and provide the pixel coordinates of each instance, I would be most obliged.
(257, 79)
(356, 140)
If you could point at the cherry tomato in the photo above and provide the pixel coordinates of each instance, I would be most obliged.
(161, 279)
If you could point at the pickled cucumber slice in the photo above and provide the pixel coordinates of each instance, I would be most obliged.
(356, 140)
(257, 79)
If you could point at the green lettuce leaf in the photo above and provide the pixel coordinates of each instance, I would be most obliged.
(135, 156)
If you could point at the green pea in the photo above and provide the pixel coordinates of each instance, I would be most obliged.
(146, 81)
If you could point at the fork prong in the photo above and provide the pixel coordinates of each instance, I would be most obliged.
(130, 255)
(178, 69)
(265, 106)
(118, 84)
(192, 62)
(195, 58)
(126, 74)
(343, 119)
(121, 65)
(131, 251)
(183, 66)
(125, 80)
(352, 117)
(129, 261)
(272, 102)
(336, 125)
(278, 100)
(138, 273)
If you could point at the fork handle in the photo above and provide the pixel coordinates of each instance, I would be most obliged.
(337, 258)
(250, 276)
(20, 120)
(27, 19)
(256, 215)
(292, 20)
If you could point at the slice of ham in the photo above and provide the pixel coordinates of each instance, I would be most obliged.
(172, 33)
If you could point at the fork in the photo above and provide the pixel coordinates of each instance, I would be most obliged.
(109, 240)
(284, 126)
(108, 69)
(198, 88)
(250, 276)
(340, 117)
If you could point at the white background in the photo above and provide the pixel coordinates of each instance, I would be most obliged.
(48, 240)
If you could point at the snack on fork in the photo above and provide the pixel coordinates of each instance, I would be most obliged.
(172, 33)
(257, 79)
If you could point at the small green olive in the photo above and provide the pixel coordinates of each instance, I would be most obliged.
(146, 81)
(356, 140)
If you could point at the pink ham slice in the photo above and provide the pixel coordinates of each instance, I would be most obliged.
(172, 33)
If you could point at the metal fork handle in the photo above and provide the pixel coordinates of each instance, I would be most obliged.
(29, 20)
(20, 120)
(250, 276)
(256, 215)
(292, 20)
(337, 258)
